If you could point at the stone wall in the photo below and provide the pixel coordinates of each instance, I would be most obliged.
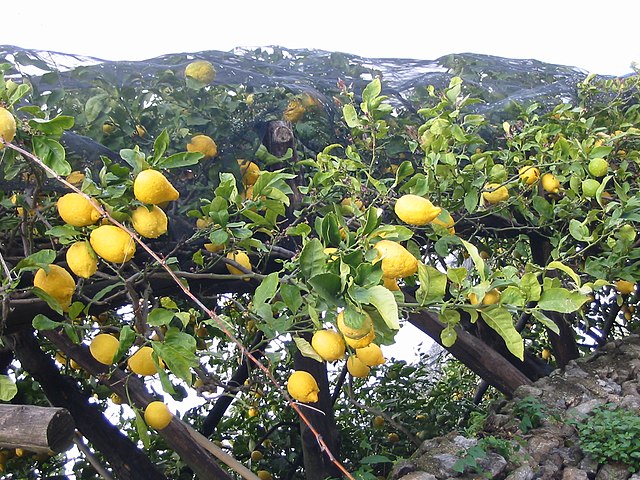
(551, 450)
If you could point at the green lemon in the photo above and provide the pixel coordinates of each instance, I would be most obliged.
(590, 187)
(598, 167)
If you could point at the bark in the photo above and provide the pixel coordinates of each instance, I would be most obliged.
(36, 429)
(126, 460)
(317, 464)
(178, 436)
(479, 357)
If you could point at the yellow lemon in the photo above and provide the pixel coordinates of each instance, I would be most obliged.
(108, 128)
(256, 456)
(445, 220)
(391, 284)
(112, 243)
(204, 145)
(495, 193)
(75, 178)
(303, 387)
(201, 70)
(550, 183)
(371, 355)
(294, 111)
(149, 223)
(58, 283)
(529, 174)
(203, 222)
(264, 475)
(214, 247)
(81, 259)
(397, 262)
(76, 210)
(491, 297)
(416, 210)
(152, 187)
(249, 171)
(356, 367)
(115, 399)
(7, 126)
(625, 287)
(103, 347)
(361, 342)
(157, 415)
(141, 362)
(240, 257)
(546, 354)
(328, 344)
(140, 131)
(354, 332)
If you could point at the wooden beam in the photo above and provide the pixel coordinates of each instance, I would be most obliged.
(36, 429)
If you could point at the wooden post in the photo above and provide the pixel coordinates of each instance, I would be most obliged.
(36, 429)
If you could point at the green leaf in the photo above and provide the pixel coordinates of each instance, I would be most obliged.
(126, 339)
(306, 349)
(382, 299)
(477, 259)
(327, 285)
(159, 317)
(499, 319)
(531, 286)
(143, 431)
(555, 265)
(375, 459)
(42, 322)
(579, 231)
(350, 116)
(291, 296)
(51, 302)
(561, 300)
(39, 259)
(160, 146)
(372, 90)
(312, 258)
(178, 353)
(52, 154)
(95, 106)
(179, 160)
(135, 158)
(433, 284)
(8, 388)
(546, 321)
(55, 126)
(267, 289)
(457, 275)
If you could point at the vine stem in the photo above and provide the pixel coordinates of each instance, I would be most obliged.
(210, 313)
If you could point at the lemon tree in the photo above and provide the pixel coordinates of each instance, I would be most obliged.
(179, 262)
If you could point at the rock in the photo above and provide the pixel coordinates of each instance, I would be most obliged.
(493, 465)
(402, 469)
(574, 473)
(540, 446)
(524, 472)
(584, 409)
(613, 471)
(418, 476)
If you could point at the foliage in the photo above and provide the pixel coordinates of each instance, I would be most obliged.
(610, 434)
(469, 461)
(548, 255)
(531, 412)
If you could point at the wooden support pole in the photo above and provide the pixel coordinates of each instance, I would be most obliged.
(36, 429)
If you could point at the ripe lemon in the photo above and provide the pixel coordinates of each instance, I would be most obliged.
(356, 367)
(157, 415)
(58, 283)
(391, 284)
(204, 145)
(201, 70)
(140, 131)
(550, 183)
(331, 252)
(625, 287)
(361, 342)
(112, 243)
(256, 456)
(214, 247)
(529, 174)
(149, 223)
(103, 347)
(303, 387)
(590, 187)
(7, 126)
(495, 193)
(378, 421)
(115, 399)
(294, 111)
(328, 344)
(249, 171)
(416, 210)
(81, 259)
(152, 187)
(75, 178)
(371, 355)
(141, 362)
(240, 257)
(491, 297)
(264, 475)
(354, 332)
(397, 262)
(546, 354)
(203, 222)
(108, 128)
(598, 167)
(76, 210)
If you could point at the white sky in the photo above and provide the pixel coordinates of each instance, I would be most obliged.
(598, 36)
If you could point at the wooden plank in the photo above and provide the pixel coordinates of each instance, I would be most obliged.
(36, 429)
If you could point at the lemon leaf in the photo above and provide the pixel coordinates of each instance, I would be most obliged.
(312, 258)
(267, 289)
(42, 322)
(382, 299)
(8, 388)
(160, 316)
(566, 269)
(142, 429)
(477, 259)
(126, 339)
(546, 321)
(178, 352)
(500, 320)
(558, 299)
(433, 284)
(306, 350)
(350, 116)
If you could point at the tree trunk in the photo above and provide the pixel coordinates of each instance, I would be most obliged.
(126, 460)
(479, 357)
(317, 464)
(178, 436)
(36, 429)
